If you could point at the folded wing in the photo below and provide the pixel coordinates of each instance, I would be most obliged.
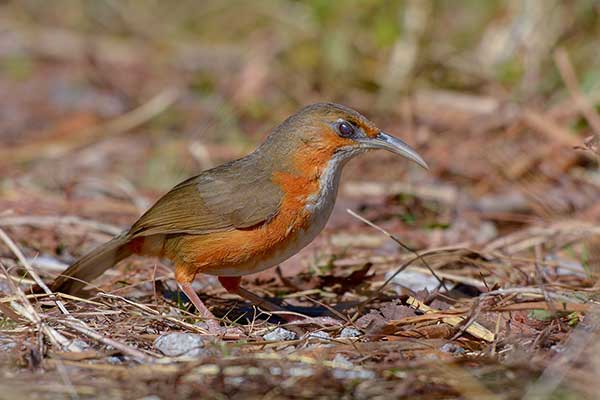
(224, 198)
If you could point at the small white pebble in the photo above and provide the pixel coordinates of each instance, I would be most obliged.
(114, 360)
(177, 344)
(412, 280)
(452, 348)
(279, 334)
(300, 371)
(234, 380)
(350, 333)
(353, 374)
(319, 335)
(81, 344)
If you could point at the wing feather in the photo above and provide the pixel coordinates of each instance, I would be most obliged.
(224, 198)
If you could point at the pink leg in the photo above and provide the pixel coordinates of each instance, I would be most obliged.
(211, 320)
(214, 328)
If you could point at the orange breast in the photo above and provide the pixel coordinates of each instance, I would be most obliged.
(245, 251)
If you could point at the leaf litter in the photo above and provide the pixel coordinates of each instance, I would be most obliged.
(502, 300)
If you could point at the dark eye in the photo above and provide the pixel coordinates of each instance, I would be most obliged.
(345, 129)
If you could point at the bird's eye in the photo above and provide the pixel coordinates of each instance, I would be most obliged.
(345, 129)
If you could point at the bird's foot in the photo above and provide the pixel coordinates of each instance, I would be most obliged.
(213, 327)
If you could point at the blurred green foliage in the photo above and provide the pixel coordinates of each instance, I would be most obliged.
(246, 65)
(346, 48)
(17, 67)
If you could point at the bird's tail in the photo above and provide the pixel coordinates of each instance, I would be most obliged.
(92, 265)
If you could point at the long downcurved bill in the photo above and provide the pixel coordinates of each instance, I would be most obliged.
(395, 145)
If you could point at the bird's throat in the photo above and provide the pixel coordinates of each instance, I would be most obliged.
(323, 200)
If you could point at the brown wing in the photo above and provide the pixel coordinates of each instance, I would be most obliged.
(224, 198)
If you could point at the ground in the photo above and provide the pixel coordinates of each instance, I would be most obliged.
(473, 280)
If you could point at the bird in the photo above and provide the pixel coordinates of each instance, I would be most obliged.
(249, 214)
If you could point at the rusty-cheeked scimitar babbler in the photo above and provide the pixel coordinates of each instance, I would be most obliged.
(249, 214)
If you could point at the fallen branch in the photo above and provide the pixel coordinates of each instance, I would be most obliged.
(473, 328)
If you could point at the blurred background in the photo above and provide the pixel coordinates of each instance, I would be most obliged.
(152, 92)
(110, 103)
(106, 104)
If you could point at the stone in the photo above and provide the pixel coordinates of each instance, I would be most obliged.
(413, 280)
(350, 333)
(177, 344)
(279, 334)
(452, 348)
(319, 335)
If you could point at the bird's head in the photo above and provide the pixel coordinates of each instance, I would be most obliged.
(330, 130)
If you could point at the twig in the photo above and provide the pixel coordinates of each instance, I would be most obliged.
(77, 326)
(330, 309)
(17, 252)
(567, 72)
(534, 292)
(454, 277)
(473, 328)
(151, 311)
(71, 322)
(28, 311)
(396, 272)
(576, 345)
(395, 239)
(544, 305)
(467, 323)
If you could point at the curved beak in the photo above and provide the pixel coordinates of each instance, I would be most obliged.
(395, 145)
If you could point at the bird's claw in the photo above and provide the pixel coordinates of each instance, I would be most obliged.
(214, 328)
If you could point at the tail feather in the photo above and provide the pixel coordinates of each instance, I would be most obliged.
(92, 265)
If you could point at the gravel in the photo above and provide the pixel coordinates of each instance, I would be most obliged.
(319, 335)
(279, 334)
(177, 344)
(452, 348)
(349, 333)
